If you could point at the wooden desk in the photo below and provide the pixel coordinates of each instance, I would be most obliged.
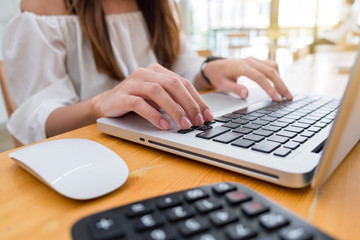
(31, 210)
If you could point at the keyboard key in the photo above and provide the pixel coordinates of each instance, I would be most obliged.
(279, 124)
(293, 129)
(273, 221)
(239, 231)
(203, 127)
(160, 234)
(253, 208)
(307, 134)
(195, 194)
(255, 138)
(292, 145)
(263, 132)
(231, 125)
(231, 115)
(148, 221)
(286, 120)
(222, 188)
(222, 119)
(320, 124)
(314, 129)
(300, 139)
(240, 121)
(237, 197)
(272, 128)
(300, 125)
(138, 209)
(247, 117)
(286, 134)
(261, 122)
(243, 130)
(169, 201)
(228, 137)
(193, 226)
(213, 132)
(282, 152)
(295, 233)
(266, 146)
(207, 205)
(278, 139)
(184, 131)
(266, 118)
(223, 217)
(179, 213)
(243, 143)
(106, 226)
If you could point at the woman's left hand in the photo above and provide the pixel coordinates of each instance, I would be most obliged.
(223, 75)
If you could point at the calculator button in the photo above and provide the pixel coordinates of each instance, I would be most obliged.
(239, 231)
(195, 194)
(273, 221)
(222, 188)
(106, 226)
(222, 217)
(138, 209)
(237, 197)
(207, 205)
(160, 234)
(181, 212)
(295, 233)
(208, 236)
(254, 208)
(192, 226)
(168, 202)
(148, 221)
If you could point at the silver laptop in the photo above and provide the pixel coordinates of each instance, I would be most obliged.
(291, 143)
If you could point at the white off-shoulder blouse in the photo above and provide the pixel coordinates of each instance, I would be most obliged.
(49, 64)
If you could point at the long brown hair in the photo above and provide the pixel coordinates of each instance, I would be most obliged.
(163, 28)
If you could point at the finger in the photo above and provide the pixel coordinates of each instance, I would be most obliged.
(185, 94)
(272, 74)
(156, 93)
(141, 107)
(262, 80)
(233, 87)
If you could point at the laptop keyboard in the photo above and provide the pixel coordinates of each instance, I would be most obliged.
(273, 127)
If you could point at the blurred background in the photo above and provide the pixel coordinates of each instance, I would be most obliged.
(280, 30)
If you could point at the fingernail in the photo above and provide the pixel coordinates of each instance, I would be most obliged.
(185, 123)
(208, 115)
(289, 96)
(164, 124)
(243, 93)
(198, 120)
(277, 97)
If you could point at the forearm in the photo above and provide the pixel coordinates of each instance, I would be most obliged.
(72, 117)
(201, 84)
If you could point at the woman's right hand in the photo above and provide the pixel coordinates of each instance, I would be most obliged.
(147, 89)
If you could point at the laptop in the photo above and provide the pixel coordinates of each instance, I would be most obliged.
(290, 143)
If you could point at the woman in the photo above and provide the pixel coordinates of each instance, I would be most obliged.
(69, 63)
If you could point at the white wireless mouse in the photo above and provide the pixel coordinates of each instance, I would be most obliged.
(76, 168)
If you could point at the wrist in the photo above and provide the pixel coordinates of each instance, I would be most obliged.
(204, 64)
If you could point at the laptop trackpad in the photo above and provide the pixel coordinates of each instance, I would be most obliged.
(220, 101)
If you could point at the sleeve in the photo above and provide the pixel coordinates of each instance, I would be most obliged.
(189, 62)
(34, 59)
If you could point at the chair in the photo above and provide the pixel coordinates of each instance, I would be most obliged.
(9, 103)
(204, 53)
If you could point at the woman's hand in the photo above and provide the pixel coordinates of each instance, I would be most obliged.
(223, 75)
(154, 87)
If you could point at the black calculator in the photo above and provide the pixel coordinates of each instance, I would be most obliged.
(225, 210)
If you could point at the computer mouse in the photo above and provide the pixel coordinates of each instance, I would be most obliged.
(76, 168)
